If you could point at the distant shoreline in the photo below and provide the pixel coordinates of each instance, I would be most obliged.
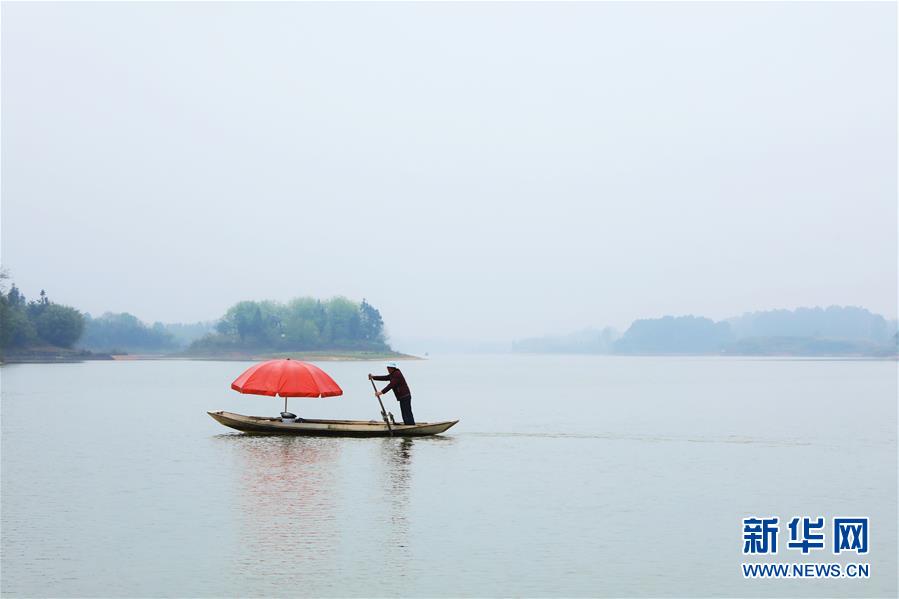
(75, 356)
(60, 356)
(312, 356)
(72, 356)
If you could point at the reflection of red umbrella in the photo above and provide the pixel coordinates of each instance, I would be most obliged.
(287, 378)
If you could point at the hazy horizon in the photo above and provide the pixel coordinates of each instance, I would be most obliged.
(476, 171)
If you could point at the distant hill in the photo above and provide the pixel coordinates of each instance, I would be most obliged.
(675, 335)
(832, 331)
(125, 333)
(835, 330)
(834, 322)
(186, 333)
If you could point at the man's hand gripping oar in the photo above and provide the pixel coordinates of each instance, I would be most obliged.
(383, 411)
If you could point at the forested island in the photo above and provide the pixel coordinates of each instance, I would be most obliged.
(302, 325)
(42, 330)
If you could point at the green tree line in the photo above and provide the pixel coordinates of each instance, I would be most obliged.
(26, 324)
(301, 324)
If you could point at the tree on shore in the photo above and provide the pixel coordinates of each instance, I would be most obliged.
(371, 323)
(24, 324)
(59, 325)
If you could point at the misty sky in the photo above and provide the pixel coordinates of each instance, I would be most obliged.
(477, 171)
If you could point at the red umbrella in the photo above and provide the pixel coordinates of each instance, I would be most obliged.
(287, 378)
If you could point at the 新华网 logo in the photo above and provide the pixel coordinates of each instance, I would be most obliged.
(805, 535)
(760, 535)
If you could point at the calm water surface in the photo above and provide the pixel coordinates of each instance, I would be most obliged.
(574, 476)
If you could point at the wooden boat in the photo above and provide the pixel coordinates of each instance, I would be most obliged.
(327, 428)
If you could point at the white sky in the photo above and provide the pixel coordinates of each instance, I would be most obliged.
(477, 171)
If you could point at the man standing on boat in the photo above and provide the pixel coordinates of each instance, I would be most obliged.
(400, 389)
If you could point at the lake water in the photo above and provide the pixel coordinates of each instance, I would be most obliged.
(567, 476)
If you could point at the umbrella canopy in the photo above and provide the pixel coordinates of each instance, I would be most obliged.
(287, 378)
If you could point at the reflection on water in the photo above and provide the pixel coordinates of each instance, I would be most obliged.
(304, 506)
(397, 477)
(287, 499)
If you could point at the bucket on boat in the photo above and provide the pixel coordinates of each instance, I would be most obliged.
(288, 417)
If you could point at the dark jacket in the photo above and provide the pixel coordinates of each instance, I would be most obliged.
(397, 385)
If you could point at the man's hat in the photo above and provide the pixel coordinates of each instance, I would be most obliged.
(392, 365)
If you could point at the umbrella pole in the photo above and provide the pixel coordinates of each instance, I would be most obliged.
(383, 412)
(285, 403)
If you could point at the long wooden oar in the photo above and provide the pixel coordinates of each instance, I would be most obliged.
(383, 411)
